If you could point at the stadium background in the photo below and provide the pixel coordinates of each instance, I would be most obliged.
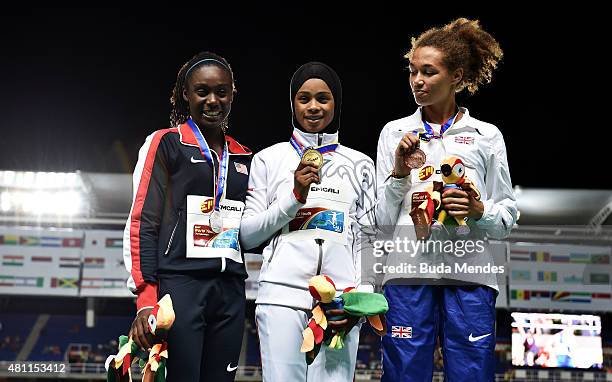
(82, 87)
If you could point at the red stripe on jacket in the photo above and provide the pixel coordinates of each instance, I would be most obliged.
(147, 294)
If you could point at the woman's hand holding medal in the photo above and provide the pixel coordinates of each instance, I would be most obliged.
(408, 156)
(307, 172)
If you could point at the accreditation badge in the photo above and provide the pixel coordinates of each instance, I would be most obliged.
(324, 216)
(202, 240)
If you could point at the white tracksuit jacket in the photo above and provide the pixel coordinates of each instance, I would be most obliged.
(346, 194)
(481, 147)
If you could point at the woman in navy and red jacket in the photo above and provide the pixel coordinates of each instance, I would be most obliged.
(181, 237)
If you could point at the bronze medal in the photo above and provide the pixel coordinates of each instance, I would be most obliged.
(415, 159)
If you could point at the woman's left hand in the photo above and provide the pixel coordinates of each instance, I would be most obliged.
(345, 324)
(460, 204)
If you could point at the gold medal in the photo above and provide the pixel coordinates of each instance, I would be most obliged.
(312, 157)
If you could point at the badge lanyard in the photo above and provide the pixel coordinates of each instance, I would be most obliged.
(221, 176)
(299, 147)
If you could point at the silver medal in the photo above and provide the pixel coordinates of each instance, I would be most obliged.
(216, 221)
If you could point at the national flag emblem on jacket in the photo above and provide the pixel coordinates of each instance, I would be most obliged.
(465, 140)
(241, 168)
(401, 331)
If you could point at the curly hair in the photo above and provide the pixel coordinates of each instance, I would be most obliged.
(180, 108)
(465, 45)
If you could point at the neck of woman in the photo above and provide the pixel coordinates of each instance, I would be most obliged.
(440, 113)
(215, 137)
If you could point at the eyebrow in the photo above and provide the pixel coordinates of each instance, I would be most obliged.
(204, 84)
(308, 93)
(424, 66)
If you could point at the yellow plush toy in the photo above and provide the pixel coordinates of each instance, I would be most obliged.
(453, 176)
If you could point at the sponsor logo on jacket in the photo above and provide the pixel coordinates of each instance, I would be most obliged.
(325, 189)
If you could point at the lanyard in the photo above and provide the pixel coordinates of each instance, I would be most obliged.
(323, 149)
(221, 176)
(430, 134)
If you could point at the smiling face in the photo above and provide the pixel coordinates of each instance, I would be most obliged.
(314, 105)
(209, 92)
(430, 80)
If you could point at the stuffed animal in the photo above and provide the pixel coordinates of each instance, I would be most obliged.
(424, 209)
(154, 368)
(356, 304)
(453, 176)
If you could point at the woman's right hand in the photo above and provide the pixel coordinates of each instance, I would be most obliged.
(140, 329)
(303, 177)
(409, 143)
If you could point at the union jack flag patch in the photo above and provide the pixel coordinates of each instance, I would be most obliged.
(241, 168)
(401, 331)
(465, 140)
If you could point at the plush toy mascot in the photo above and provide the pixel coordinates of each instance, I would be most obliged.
(373, 306)
(423, 214)
(154, 370)
(453, 176)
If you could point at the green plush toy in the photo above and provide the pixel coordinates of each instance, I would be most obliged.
(373, 306)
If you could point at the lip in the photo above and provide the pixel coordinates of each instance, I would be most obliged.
(419, 92)
(313, 118)
(212, 117)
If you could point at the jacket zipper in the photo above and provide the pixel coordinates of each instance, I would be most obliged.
(274, 242)
(172, 235)
(320, 262)
(319, 241)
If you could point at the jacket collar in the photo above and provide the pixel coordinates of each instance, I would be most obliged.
(234, 147)
(463, 124)
(314, 139)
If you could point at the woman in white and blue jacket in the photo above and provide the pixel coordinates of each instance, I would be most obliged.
(314, 221)
(456, 308)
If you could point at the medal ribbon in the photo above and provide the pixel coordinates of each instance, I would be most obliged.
(221, 176)
(430, 134)
(323, 149)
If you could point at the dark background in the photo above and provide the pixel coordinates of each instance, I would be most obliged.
(81, 88)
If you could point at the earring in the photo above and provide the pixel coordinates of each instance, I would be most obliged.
(224, 125)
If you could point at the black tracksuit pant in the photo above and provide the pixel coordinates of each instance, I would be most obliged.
(205, 340)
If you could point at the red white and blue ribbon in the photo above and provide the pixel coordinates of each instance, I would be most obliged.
(300, 148)
(219, 175)
(430, 134)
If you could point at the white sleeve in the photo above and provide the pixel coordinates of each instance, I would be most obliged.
(390, 190)
(500, 210)
(365, 232)
(260, 219)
